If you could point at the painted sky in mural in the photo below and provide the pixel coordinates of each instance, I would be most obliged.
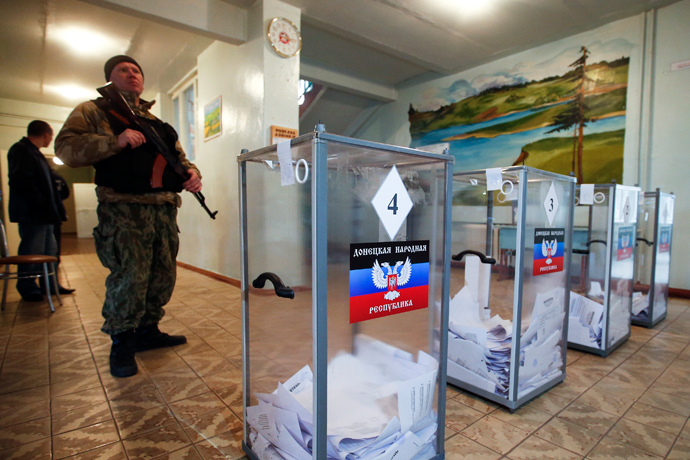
(507, 114)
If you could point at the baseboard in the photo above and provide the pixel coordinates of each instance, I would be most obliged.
(676, 292)
(216, 276)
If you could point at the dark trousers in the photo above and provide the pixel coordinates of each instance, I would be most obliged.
(35, 239)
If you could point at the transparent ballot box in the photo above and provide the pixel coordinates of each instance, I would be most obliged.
(511, 237)
(603, 267)
(652, 258)
(345, 257)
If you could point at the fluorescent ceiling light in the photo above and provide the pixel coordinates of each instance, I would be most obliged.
(87, 41)
(73, 92)
(466, 8)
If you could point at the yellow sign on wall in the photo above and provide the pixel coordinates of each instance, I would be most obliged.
(279, 133)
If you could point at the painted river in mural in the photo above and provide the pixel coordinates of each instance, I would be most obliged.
(480, 153)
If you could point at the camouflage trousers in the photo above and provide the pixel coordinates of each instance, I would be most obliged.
(138, 243)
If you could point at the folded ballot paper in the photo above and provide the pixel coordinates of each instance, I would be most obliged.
(585, 321)
(380, 407)
(640, 305)
(479, 349)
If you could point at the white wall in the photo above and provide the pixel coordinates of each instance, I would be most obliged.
(670, 129)
(666, 115)
(258, 89)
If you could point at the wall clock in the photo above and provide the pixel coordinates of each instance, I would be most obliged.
(284, 37)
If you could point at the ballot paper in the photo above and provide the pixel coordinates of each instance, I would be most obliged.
(479, 351)
(640, 303)
(619, 318)
(585, 321)
(380, 407)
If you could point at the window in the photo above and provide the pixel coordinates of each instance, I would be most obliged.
(184, 113)
(304, 87)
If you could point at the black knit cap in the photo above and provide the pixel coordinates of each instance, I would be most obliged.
(115, 60)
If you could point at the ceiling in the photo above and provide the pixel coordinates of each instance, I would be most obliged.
(359, 51)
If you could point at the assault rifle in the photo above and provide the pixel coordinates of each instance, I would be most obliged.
(122, 111)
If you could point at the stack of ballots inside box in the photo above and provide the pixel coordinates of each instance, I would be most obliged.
(480, 346)
(380, 406)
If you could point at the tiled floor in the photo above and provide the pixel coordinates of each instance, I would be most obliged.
(58, 400)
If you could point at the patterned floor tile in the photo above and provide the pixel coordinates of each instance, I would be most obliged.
(115, 388)
(535, 447)
(651, 416)
(589, 417)
(526, 418)
(84, 439)
(24, 413)
(196, 406)
(643, 437)
(568, 435)
(183, 388)
(69, 387)
(207, 363)
(550, 403)
(495, 434)
(611, 449)
(113, 451)
(81, 417)
(76, 400)
(616, 386)
(24, 433)
(136, 401)
(680, 451)
(227, 446)
(459, 447)
(210, 424)
(21, 397)
(136, 423)
(37, 450)
(472, 401)
(669, 402)
(166, 439)
(460, 416)
(615, 404)
(186, 453)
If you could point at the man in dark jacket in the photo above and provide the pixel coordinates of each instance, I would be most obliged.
(34, 203)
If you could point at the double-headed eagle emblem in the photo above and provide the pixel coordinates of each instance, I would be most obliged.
(548, 248)
(392, 279)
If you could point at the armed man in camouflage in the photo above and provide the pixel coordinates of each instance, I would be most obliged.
(137, 236)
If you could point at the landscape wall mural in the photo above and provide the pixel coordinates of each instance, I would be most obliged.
(563, 113)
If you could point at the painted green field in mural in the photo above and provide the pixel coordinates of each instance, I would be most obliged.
(609, 79)
(603, 156)
(600, 105)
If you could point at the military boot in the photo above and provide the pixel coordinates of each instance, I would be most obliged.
(150, 337)
(122, 362)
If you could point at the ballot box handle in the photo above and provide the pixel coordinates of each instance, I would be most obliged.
(278, 285)
(595, 241)
(482, 257)
(649, 243)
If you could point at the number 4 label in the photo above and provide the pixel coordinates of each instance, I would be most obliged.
(392, 203)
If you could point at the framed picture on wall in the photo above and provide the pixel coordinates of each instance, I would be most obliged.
(212, 118)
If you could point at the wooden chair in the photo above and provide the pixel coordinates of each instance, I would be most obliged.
(7, 260)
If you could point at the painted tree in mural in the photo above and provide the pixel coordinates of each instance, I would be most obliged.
(574, 115)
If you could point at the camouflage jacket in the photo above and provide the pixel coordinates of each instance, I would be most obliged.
(87, 138)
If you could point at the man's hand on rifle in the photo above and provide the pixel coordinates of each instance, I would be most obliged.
(130, 137)
(193, 184)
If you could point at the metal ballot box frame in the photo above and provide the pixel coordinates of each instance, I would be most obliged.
(653, 258)
(508, 310)
(603, 267)
(343, 350)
